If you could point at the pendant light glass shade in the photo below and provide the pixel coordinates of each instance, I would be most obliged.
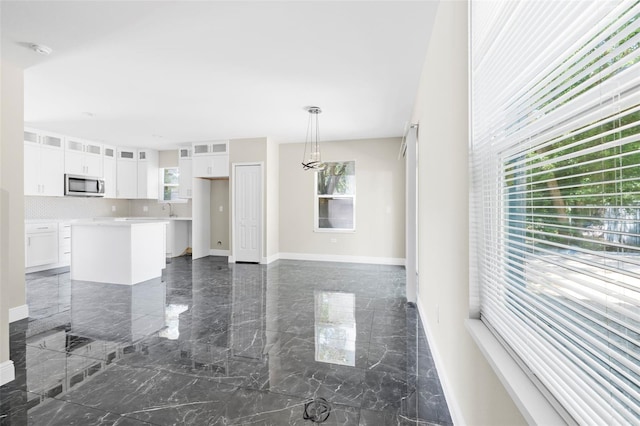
(311, 159)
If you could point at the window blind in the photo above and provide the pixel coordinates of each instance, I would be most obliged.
(555, 193)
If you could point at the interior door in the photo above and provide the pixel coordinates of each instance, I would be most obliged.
(248, 213)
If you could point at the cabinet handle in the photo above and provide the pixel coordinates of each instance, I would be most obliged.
(28, 241)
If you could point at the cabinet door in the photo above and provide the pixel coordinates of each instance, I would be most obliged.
(41, 249)
(127, 179)
(31, 169)
(220, 166)
(93, 160)
(148, 184)
(73, 163)
(186, 175)
(201, 149)
(109, 175)
(52, 171)
(201, 166)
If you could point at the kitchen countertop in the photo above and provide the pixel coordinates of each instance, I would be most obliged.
(117, 222)
(108, 218)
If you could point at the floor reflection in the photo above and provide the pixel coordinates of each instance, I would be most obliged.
(218, 343)
(335, 323)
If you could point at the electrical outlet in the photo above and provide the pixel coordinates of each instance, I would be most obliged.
(334, 240)
(113, 208)
(145, 208)
(220, 209)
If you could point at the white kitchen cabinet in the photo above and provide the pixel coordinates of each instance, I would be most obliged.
(185, 164)
(43, 163)
(83, 158)
(210, 159)
(148, 179)
(127, 173)
(41, 244)
(64, 243)
(109, 171)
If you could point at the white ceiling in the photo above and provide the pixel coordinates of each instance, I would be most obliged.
(160, 73)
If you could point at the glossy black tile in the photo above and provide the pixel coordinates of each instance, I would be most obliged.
(217, 343)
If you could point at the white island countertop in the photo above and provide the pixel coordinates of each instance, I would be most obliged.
(119, 221)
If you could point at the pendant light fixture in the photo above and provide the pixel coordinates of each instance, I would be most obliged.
(311, 159)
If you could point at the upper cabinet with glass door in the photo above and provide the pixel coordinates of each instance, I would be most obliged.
(185, 164)
(83, 158)
(43, 163)
(211, 159)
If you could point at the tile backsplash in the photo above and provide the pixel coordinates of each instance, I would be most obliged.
(85, 207)
(156, 209)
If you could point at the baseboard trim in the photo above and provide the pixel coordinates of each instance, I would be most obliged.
(7, 372)
(269, 259)
(452, 402)
(343, 259)
(216, 252)
(18, 313)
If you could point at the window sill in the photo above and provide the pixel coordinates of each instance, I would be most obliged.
(334, 231)
(180, 201)
(533, 406)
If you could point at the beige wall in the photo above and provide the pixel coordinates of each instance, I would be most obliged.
(220, 220)
(478, 397)
(380, 201)
(12, 286)
(168, 158)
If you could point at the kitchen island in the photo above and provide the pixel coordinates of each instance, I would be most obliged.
(118, 251)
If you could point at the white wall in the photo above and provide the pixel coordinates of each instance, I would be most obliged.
(380, 203)
(475, 394)
(272, 197)
(12, 286)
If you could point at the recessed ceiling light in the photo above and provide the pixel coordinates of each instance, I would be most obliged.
(41, 49)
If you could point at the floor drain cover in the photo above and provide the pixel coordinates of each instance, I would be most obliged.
(317, 410)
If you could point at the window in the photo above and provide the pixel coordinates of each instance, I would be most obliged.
(335, 205)
(555, 160)
(169, 187)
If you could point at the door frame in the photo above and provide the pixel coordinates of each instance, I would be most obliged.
(232, 189)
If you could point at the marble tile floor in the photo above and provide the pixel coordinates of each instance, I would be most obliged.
(212, 343)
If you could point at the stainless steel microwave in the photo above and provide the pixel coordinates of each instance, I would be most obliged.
(83, 186)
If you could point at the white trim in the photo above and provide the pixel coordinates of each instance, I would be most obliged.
(216, 252)
(7, 372)
(342, 258)
(263, 191)
(452, 402)
(269, 259)
(535, 408)
(316, 196)
(18, 313)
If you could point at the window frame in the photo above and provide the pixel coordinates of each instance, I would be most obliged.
(316, 203)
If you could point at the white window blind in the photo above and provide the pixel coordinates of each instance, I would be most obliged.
(555, 161)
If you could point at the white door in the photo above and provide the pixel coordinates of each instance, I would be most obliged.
(247, 213)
